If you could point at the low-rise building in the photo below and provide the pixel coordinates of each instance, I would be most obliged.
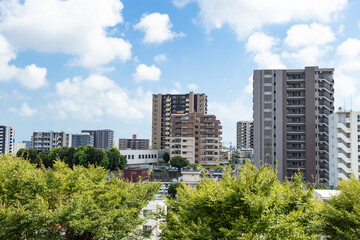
(143, 158)
(134, 143)
(45, 141)
(136, 174)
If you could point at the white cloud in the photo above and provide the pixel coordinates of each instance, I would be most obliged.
(309, 35)
(192, 87)
(181, 3)
(160, 58)
(147, 73)
(250, 87)
(308, 56)
(98, 96)
(348, 54)
(231, 112)
(177, 85)
(245, 16)
(157, 28)
(262, 45)
(25, 110)
(74, 27)
(259, 42)
(31, 76)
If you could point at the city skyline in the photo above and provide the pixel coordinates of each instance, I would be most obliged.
(56, 73)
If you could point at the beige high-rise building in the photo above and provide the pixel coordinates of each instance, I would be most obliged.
(166, 104)
(196, 137)
(244, 134)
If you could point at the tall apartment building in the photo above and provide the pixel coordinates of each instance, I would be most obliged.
(344, 141)
(244, 134)
(166, 104)
(133, 143)
(82, 139)
(103, 139)
(291, 114)
(7, 139)
(196, 136)
(45, 141)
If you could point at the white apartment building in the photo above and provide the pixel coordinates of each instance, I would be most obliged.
(7, 139)
(45, 141)
(344, 142)
(142, 158)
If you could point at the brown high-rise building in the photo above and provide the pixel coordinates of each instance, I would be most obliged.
(166, 104)
(291, 115)
(196, 137)
(133, 143)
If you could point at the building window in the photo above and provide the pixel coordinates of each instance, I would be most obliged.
(267, 127)
(267, 101)
(267, 93)
(358, 128)
(267, 119)
(358, 118)
(267, 84)
(267, 136)
(267, 75)
(267, 110)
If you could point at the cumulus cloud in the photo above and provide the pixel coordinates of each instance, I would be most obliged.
(262, 46)
(25, 110)
(181, 3)
(74, 27)
(146, 73)
(98, 96)
(160, 58)
(31, 76)
(192, 87)
(245, 16)
(304, 35)
(157, 28)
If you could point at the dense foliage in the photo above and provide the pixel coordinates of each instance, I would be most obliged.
(65, 203)
(179, 162)
(84, 156)
(166, 157)
(342, 213)
(253, 205)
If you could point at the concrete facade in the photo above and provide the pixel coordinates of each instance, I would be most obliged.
(45, 141)
(206, 132)
(166, 104)
(142, 158)
(103, 139)
(7, 139)
(291, 109)
(244, 134)
(344, 142)
(134, 143)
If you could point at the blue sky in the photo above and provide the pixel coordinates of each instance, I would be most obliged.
(94, 64)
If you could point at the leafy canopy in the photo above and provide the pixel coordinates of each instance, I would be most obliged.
(342, 213)
(179, 162)
(253, 205)
(65, 203)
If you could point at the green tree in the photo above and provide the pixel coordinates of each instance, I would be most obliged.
(253, 205)
(28, 154)
(116, 160)
(342, 213)
(179, 162)
(66, 154)
(66, 203)
(166, 157)
(172, 190)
